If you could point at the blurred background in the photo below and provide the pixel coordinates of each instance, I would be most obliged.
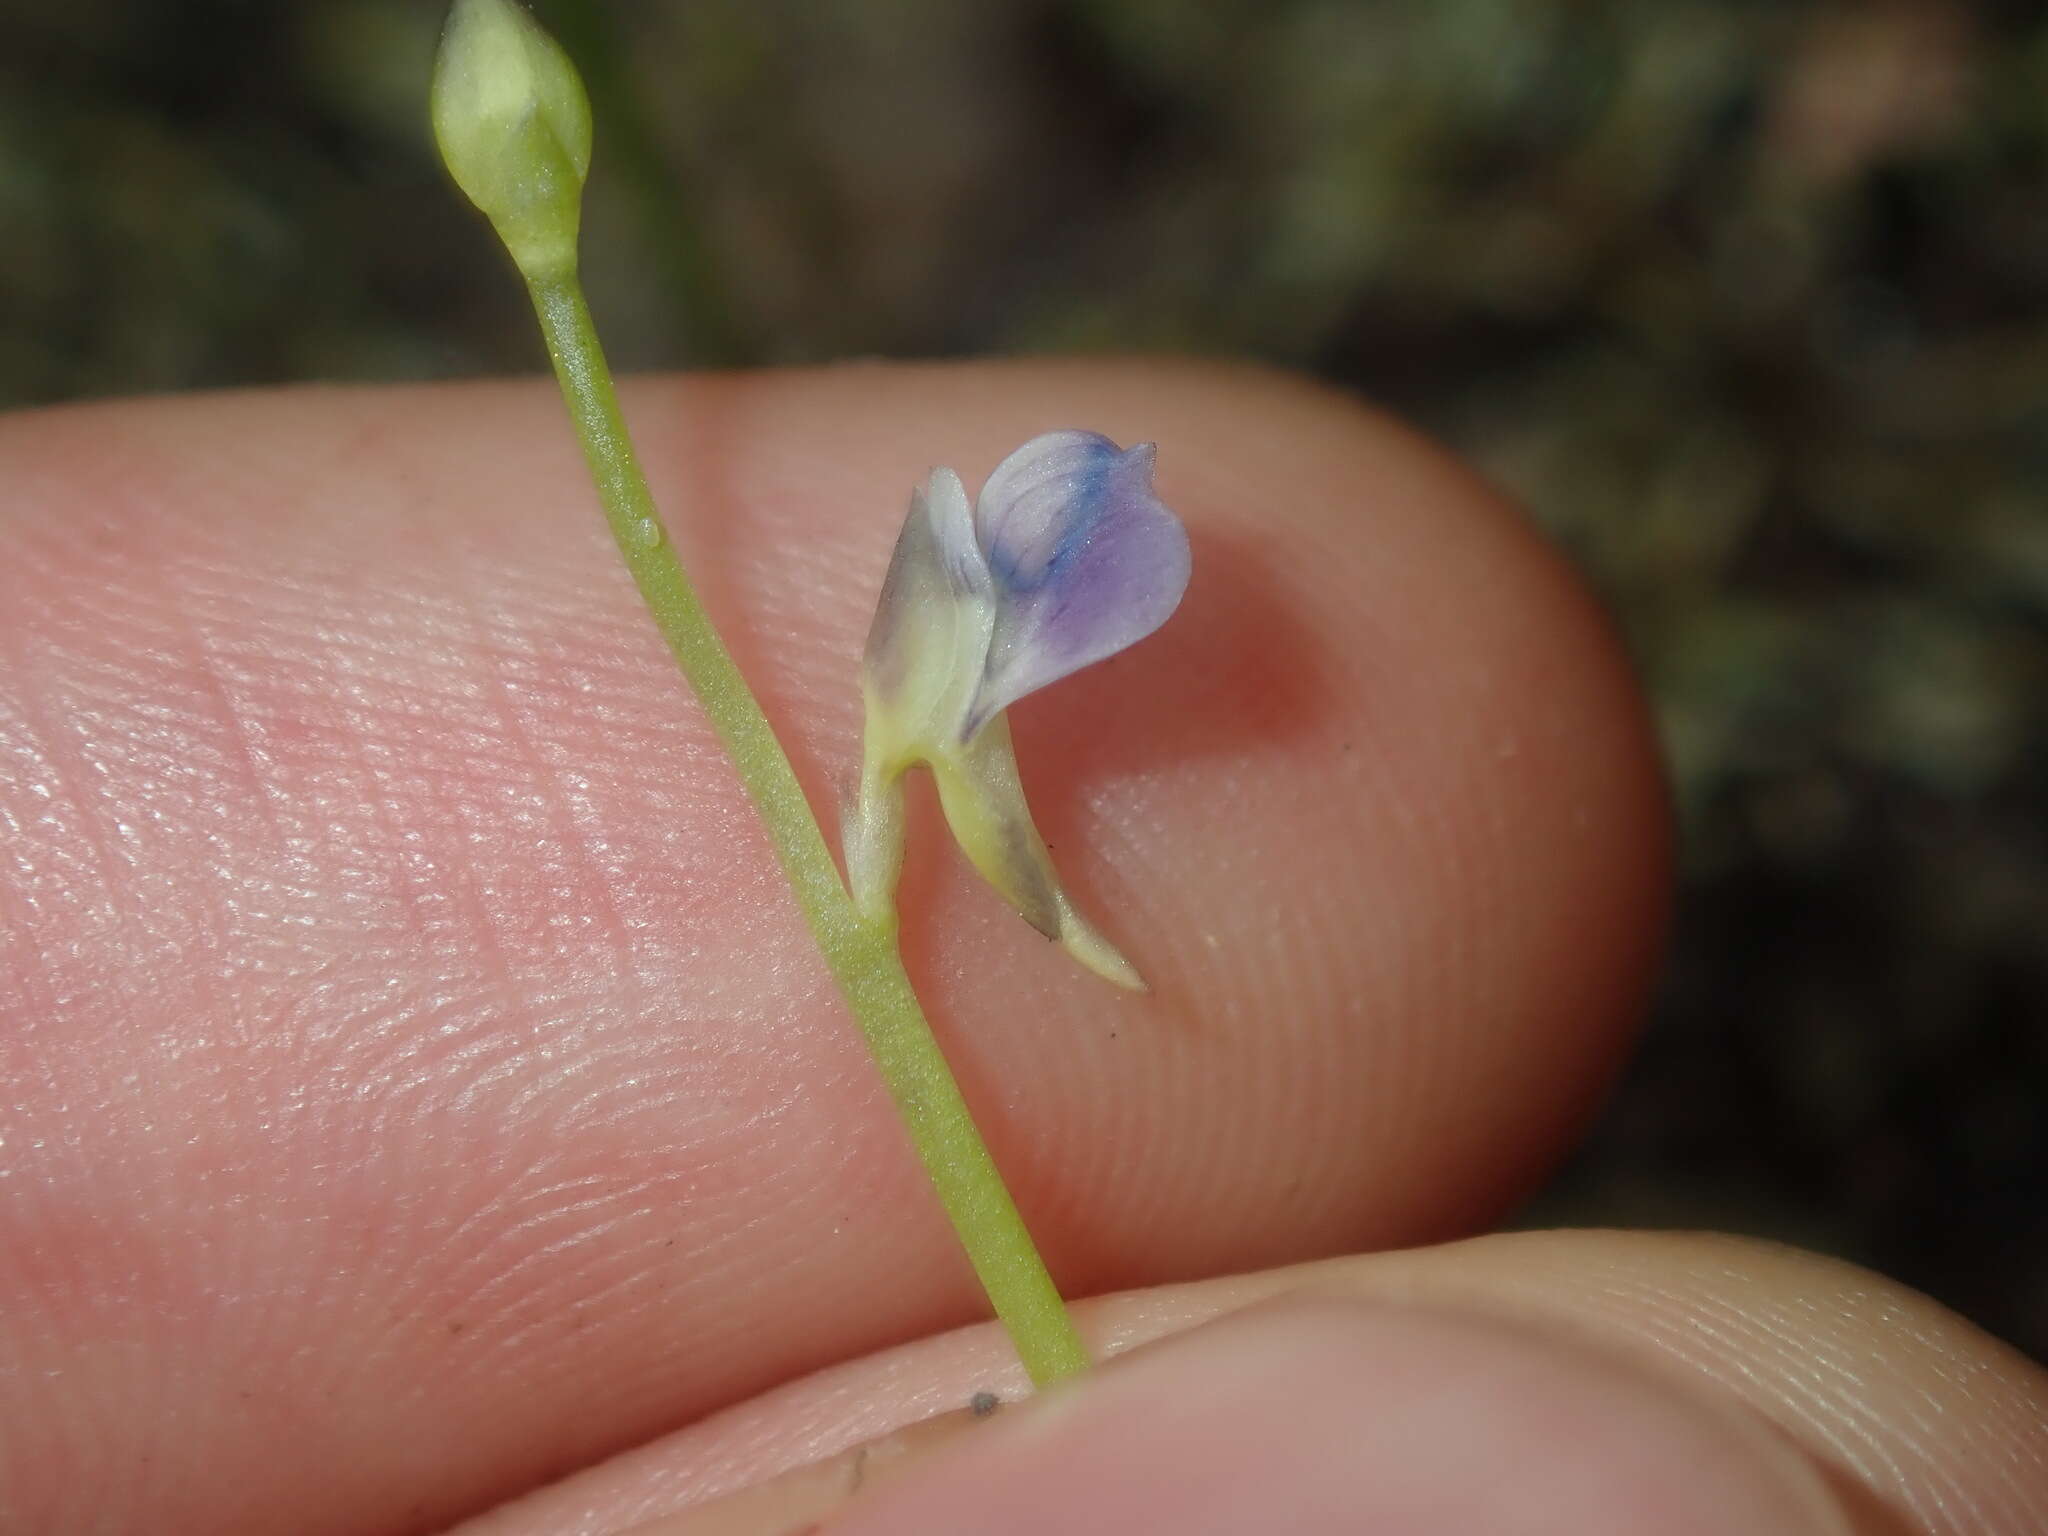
(1747, 301)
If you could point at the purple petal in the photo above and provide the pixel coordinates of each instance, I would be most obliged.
(1086, 561)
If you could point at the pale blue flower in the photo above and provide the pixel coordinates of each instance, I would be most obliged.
(1066, 558)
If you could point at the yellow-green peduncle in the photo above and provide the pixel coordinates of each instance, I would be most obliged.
(513, 125)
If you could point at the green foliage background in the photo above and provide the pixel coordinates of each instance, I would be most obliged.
(1748, 301)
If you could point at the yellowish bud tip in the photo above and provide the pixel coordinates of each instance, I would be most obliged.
(513, 124)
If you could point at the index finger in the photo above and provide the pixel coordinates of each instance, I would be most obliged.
(421, 1068)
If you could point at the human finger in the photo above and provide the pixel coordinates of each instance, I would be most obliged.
(406, 1016)
(1518, 1366)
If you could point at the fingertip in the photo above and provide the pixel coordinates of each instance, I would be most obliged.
(1378, 815)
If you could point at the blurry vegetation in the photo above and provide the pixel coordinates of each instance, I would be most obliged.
(1749, 301)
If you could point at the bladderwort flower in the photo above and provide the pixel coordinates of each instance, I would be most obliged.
(1066, 558)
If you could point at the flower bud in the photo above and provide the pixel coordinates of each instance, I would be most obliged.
(514, 129)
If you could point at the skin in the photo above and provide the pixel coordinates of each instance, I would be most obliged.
(422, 1104)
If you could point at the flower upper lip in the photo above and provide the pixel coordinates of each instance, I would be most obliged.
(1078, 557)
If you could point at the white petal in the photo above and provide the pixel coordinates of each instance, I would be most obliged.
(928, 644)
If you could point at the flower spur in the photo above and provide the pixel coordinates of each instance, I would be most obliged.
(1066, 558)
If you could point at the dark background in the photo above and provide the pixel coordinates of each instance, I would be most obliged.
(1749, 302)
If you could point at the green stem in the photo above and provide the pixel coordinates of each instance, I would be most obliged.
(863, 956)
